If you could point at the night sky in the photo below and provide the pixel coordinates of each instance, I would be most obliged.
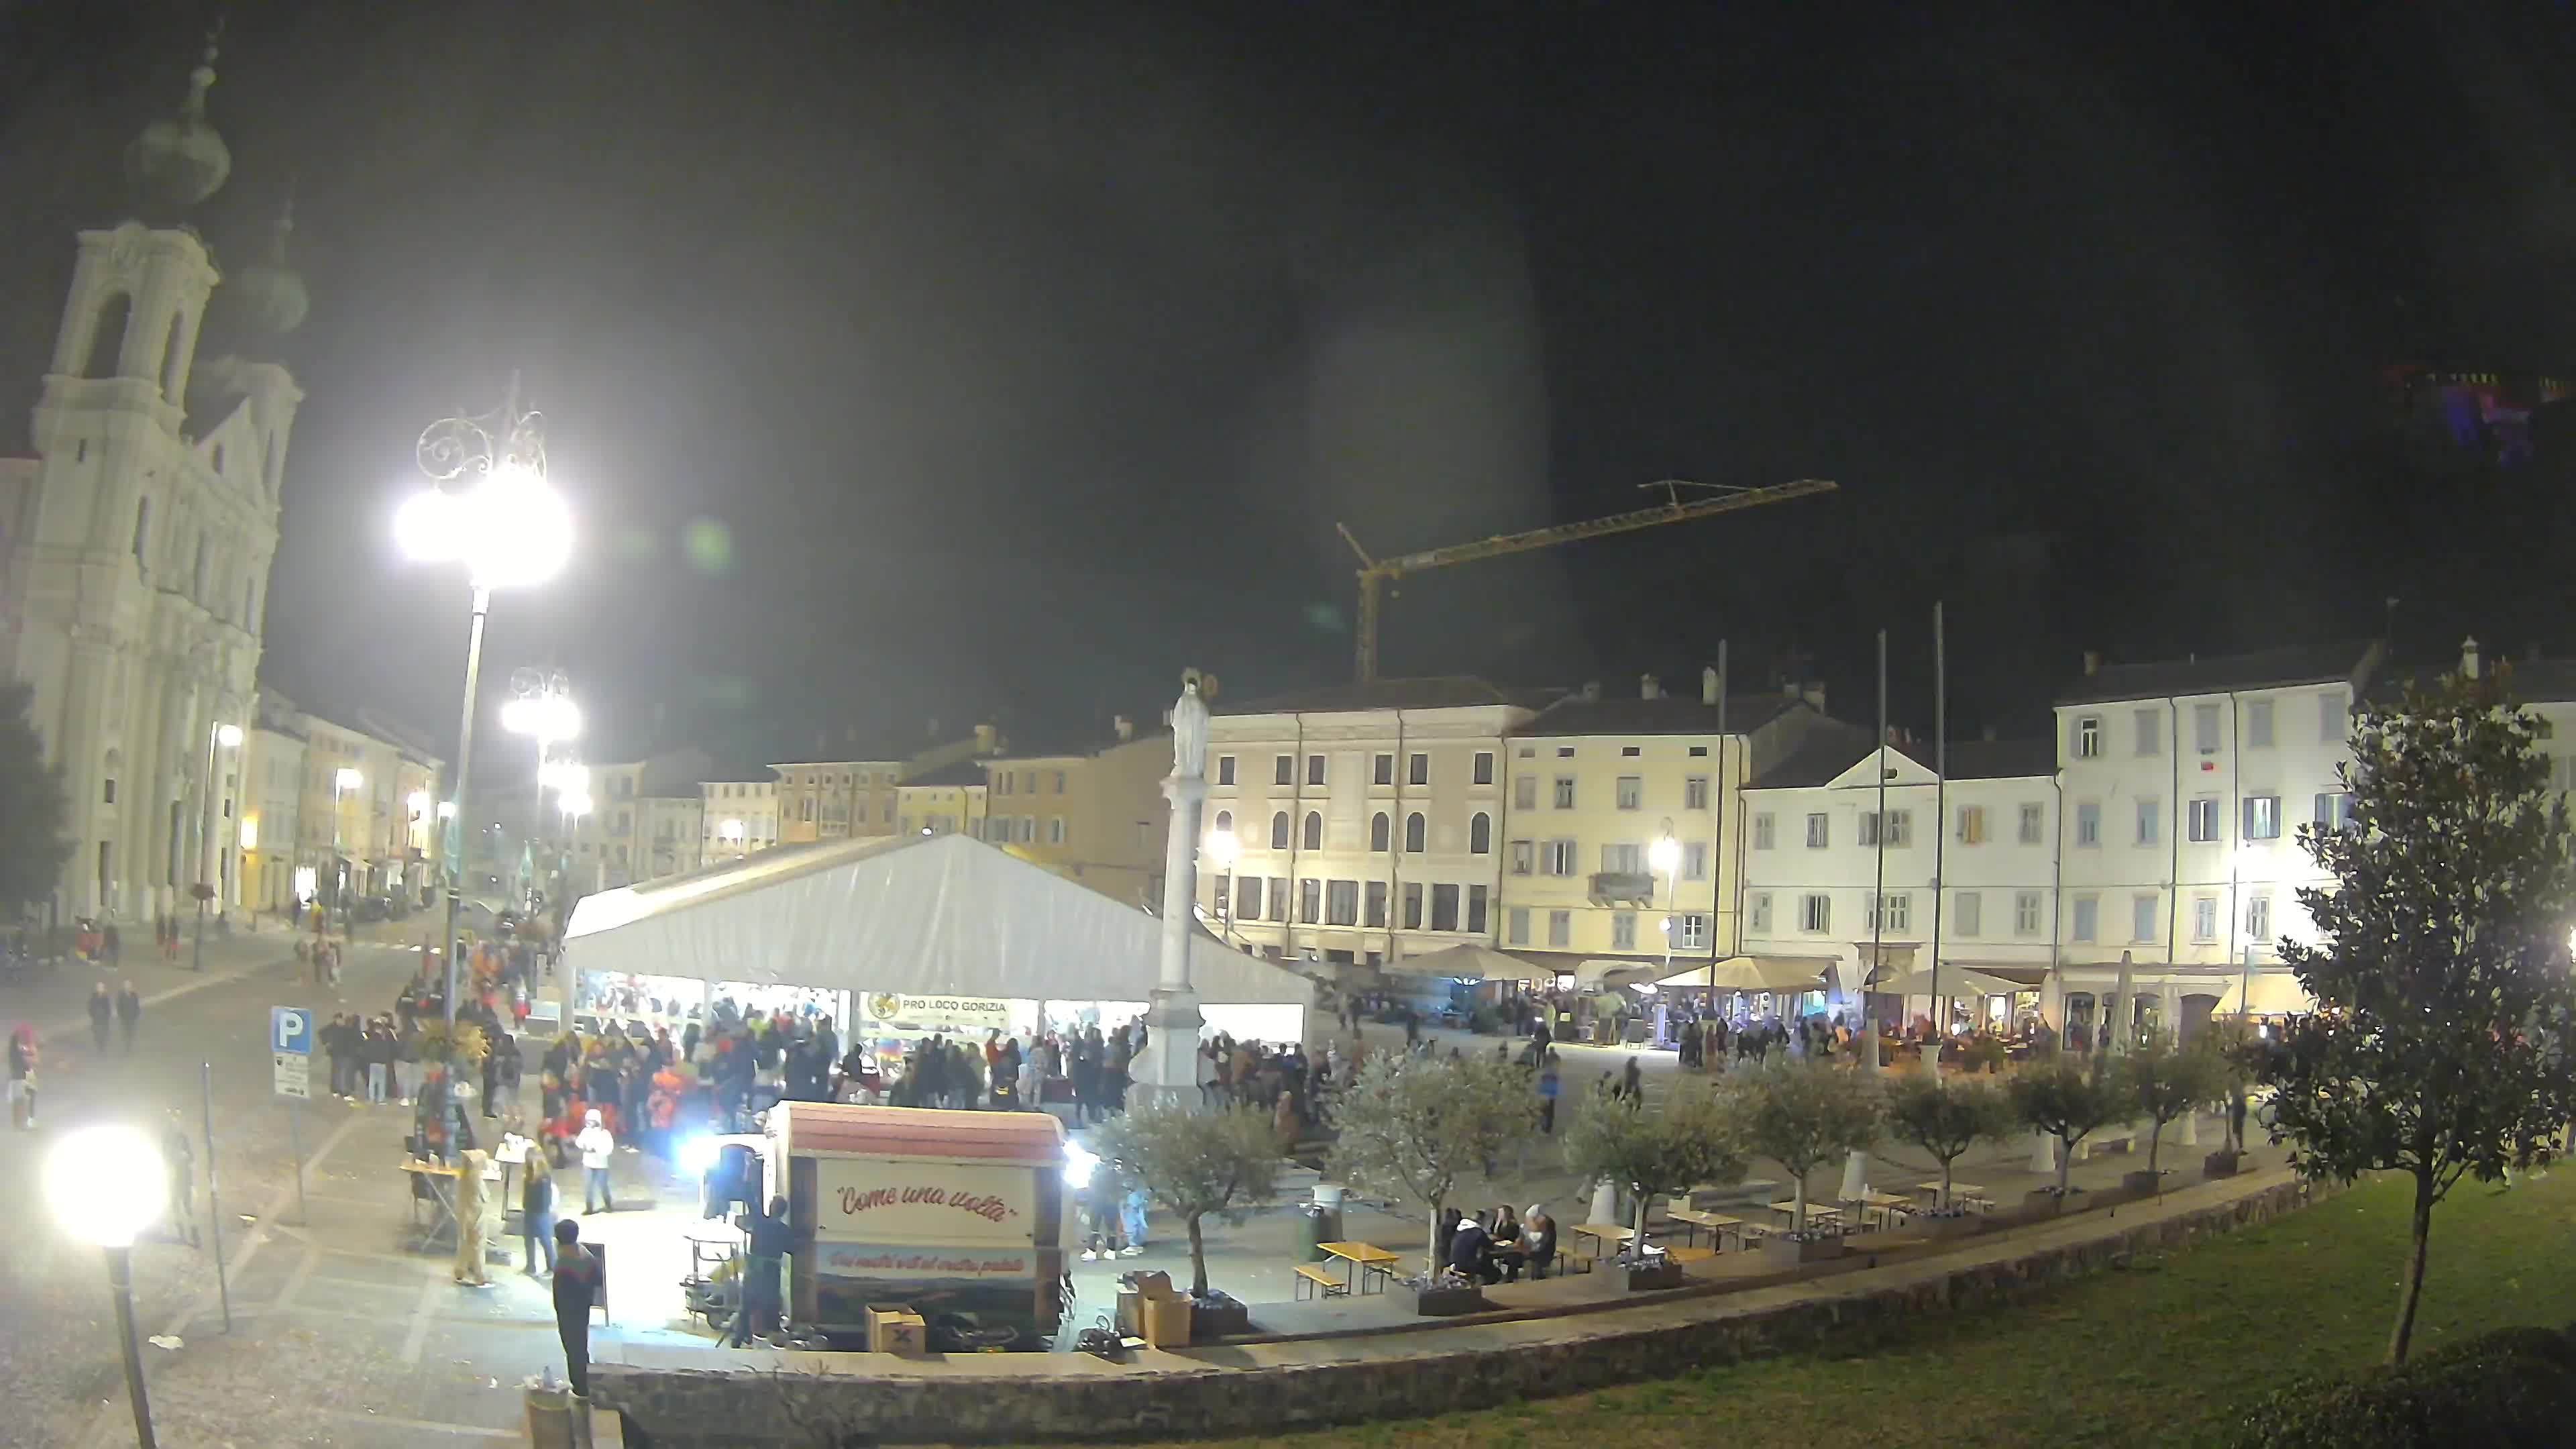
(915, 361)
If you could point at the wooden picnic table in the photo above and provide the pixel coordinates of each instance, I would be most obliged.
(1694, 1219)
(435, 1183)
(1886, 1204)
(1368, 1261)
(1788, 1208)
(1604, 1235)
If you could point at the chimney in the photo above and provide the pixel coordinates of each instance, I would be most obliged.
(2092, 661)
(984, 739)
(2469, 657)
(1708, 684)
(1649, 687)
(1122, 726)
(1592, 691)
(1813, 692)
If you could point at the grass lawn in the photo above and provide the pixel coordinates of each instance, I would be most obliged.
(2167, 1352)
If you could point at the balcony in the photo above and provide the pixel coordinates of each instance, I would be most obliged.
(1623, 885)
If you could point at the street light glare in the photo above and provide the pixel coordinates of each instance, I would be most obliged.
(1223, 847)
(574, 802)
(510, 530)
(548, 717)
(105, 1183)
(348, 779)
(228, 736)
(1664, 854)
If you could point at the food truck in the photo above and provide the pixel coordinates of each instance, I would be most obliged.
(957, 1216)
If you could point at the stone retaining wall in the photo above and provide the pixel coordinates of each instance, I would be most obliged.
(1064, 1397)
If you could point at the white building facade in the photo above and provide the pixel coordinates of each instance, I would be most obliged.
(1368, 818)
(739, 817)
(2184, 788)
(1872, 886)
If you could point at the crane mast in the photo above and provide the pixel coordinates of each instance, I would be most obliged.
(1376, 573)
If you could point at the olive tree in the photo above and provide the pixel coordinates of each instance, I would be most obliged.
(1195, 1164)
(1947, 1116)
(2440, 963)
(2168, 1080)
(1413, 1127)
(1803, 1112)
(1692, 1140)
(2067, 1102)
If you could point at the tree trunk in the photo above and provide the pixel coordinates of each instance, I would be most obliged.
(1798, 1215)
(1637, 1244)
(1198, 1260)
(2065, 1161)
(1943, 1202)
(2155, 1144)
(2414, 1287)
(1431, 1250)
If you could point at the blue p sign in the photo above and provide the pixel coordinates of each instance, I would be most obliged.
(290, 1029)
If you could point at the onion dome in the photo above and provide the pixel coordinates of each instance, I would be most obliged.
(267, 294)
(179, 161)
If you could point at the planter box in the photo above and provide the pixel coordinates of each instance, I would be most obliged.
(1217, 1316)
(2045, 1203)
(2225, 1162)
(1781, 1250)
(1959, 1226)
(2144, 1184)
(1439, 1302)
(1664, 1272)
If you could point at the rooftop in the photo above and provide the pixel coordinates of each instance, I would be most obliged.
(960, 772)
(1664, 715)
(2345, 660)
(1453, 691)
(1828, 756)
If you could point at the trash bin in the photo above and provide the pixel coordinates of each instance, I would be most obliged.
(550, 1416)
(1323, 1225)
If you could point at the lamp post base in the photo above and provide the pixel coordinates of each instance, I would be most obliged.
(1167, 1070)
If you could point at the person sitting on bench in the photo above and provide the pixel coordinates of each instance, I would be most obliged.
(1471, 1251)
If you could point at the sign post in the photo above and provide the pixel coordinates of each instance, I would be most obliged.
(290, 1049)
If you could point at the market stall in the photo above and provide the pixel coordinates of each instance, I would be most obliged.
(910, 936)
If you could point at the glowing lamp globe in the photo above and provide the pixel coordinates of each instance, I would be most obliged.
(1223, 849)
(106, 1184)
(1664, 854)
(347, 778)
(510, 528)
(228, 736)
(547, 717)
(574, 802)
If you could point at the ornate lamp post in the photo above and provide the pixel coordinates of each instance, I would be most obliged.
(489, 508)
(106, 1183)
(541, 708)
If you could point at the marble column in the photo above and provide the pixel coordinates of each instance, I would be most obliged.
(1168, 1070)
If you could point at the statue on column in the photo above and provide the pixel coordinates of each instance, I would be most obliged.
(1189, 731)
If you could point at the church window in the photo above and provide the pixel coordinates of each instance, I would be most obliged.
(110, 791)
(107, 340)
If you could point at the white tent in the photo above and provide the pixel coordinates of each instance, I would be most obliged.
(906, 915)
(1470, 961)
(1758, 973)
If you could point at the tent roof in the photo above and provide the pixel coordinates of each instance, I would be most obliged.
(1757, 973)
(1468, 959)
(904, 914)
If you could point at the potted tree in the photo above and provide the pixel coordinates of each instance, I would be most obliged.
(1195, 1164)
(1692, 1140)
(1945, 1117)
(2167, 1081)
(2066, 1102)
(1413, 1127)
(2240, 1058)
(1802, 1113)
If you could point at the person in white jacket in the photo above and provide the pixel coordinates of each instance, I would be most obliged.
(598, 1148)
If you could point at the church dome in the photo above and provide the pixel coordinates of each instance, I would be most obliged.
(268, 294)
(179, 161)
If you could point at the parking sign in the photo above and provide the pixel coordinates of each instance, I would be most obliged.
(290, 1049)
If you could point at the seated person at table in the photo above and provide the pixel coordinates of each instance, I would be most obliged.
(1508, 1255)
(1471, 1251)
(1538, 1241)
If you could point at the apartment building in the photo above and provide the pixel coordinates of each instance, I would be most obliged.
(1092, 812)
(2184, 785)
(1861, 888)
(947, 800)
(272, 873)
(737, 817)
(646, 821)
(1367, 819)
(1595, 784)
(365, 812)
(845, 799)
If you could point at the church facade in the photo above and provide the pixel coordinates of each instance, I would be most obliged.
(135, 545)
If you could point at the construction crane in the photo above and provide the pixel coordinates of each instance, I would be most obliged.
(1376, 573)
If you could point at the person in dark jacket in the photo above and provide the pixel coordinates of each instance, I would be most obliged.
(577, 1276)
(537, 1212)
(129, 1013)
(1471, 1251)
(768, 1239)
(179, 1160)
(102, 1013)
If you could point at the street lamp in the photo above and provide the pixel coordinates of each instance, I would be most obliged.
(1665, 855)
(731, 832)
(490, 508)
(106, 1184)
(1223, 849)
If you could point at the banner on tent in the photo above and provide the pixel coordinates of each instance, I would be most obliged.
(953, 1207)
(936, 1015)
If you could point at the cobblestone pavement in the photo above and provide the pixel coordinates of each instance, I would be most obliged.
(343, 1334)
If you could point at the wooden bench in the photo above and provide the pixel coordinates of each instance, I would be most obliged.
(2121, 1141)
(1312, 1280)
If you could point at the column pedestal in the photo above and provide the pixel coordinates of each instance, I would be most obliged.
(1168, 1068)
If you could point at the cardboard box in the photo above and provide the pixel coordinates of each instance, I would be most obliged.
(1167, 1322)
(1153, 1284)
(1131, 1313)
(897, 1330)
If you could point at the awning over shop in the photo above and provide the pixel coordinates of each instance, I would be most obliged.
(1758, 973)
(1608, 973)
(1957, 979)
(904, 914)
(1468, 961)
(2274, 993)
